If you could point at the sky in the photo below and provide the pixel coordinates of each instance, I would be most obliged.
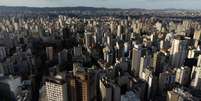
(148, 4)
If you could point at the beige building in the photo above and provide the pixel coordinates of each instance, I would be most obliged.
(183, 75)
(106, 90)
(56, 89)
(196, 77)
(178, 94)
(178, 51)
(78, 86)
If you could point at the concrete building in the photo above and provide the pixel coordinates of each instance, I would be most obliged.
(136, 57)
(62, 56)
(78, 82)
(196, 37)
(49, 53)
(166, 79)
(82, 87)
(88, 40)
(77, 51)
(56, 89)
(130, 96)
(196, 77)
(106, 90)
(178, 94)
(116, 93)
(183, 75)
(145, 62)
(158, 62)
(178, 52)
(151, 80)
(2, 53)
(199, 61)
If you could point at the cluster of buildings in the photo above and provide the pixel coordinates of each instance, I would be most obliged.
(101, 58)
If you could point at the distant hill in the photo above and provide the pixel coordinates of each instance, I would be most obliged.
(92, 11)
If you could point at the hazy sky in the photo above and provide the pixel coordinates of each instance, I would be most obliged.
(150, 4)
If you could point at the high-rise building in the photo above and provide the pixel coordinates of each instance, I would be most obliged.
(145, 62)
(78, 86)
(82, 88)
(63, 56)
(199, 61)
(1, 70)
(98, 35)
(196, 37)
(108, 55)
(150, 78)
(88, 40)
(93, 78)
(119, 49)
(77, 51)
(130, 96)
(56, 89)
(137, 26)
(108, 40)
(178, 52)
(136, 57)
(112, 27)
(159, 60)
(8, 66)
(158, 26)
(105, 90)
(183, 75)
(71, 85)
(126, 49)
(191, 53)
(172, 96)
(178, 94)
(116, 93)
(196, 77)
(166, 79)
(119, 30)
(2, 52)
(139, 87)
(49, 53)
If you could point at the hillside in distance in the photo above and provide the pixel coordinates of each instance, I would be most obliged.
(92, 11)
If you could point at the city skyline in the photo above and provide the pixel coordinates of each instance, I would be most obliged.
(88, 53)
(125, 4)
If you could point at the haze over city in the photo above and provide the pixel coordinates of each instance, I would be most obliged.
(148, 4)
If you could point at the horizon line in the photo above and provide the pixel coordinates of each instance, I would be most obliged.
(100, 7)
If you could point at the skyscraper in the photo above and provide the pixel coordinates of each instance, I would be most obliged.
(183, 75)
(145, 62)
(88, 40)
(71, 83)
(199, 61)
(82, 88)
(49, 53)
(78, 87)
(196, 37)
(119, 30)
(56, 89)
(159, 60)
(62, 56)
(136, 57)
(178, 51)
(105, 90)
(166, 79)
(151, 80)
(2, 52)
(196, 77)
